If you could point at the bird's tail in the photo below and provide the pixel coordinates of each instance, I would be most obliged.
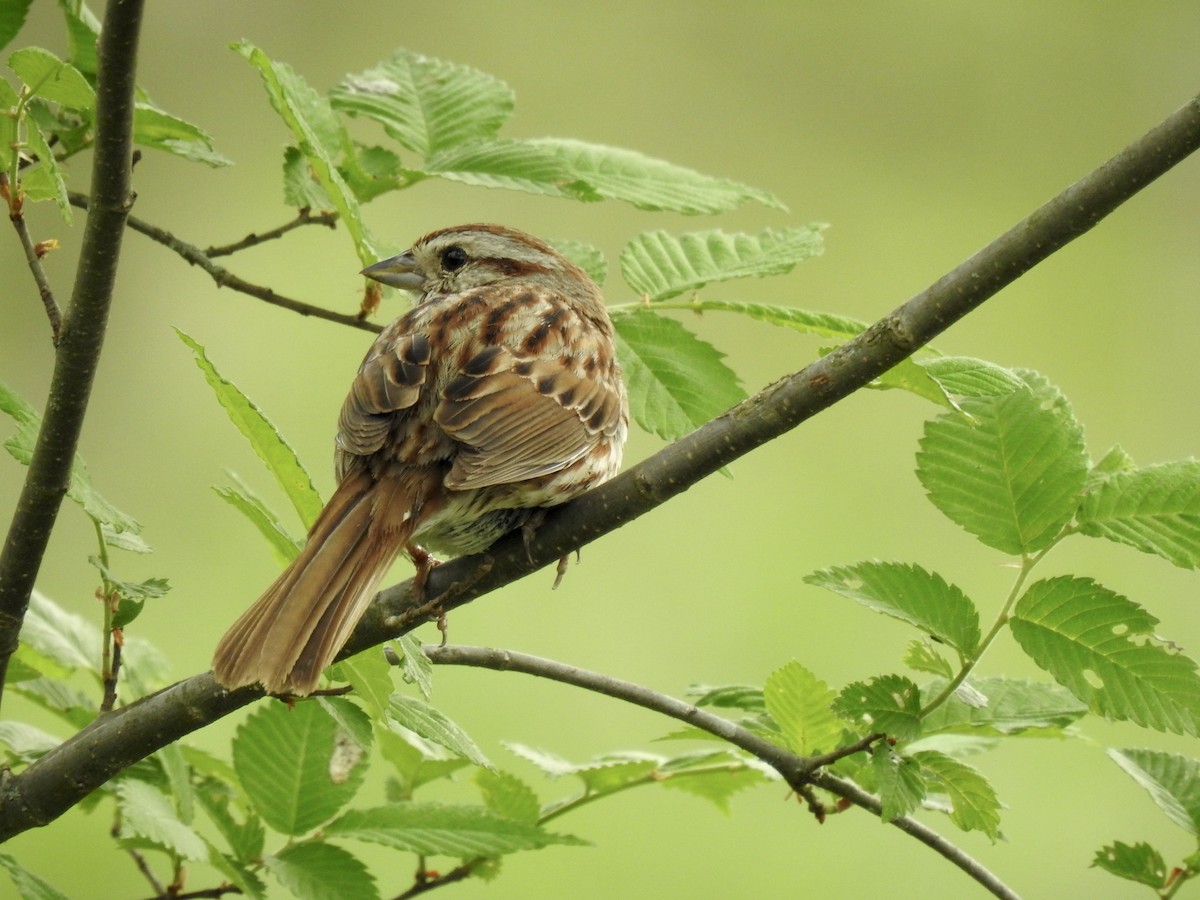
(295, 629)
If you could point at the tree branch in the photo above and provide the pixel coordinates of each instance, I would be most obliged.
(57, 781)
(33, 255)
(304, 217)
(83, 327)
(224, 278)
(797, 771)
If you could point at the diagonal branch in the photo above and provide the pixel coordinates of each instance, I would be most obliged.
(83, 326)
(115, 741)
(797, 771)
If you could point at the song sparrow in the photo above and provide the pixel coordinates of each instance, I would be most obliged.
(496, 395)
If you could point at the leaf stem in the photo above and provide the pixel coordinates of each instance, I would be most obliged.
(1014, 593)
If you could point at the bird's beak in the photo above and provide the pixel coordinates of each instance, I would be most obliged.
(399, 272)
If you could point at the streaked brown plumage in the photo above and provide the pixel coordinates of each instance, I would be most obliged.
(497, 395)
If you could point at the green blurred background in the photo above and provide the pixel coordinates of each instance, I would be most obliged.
(920, 131)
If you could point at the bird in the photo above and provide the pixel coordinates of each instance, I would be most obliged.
(497, 396)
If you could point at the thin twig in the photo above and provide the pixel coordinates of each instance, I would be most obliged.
(213, 893)
(304, 217)
(797, 771)
(61, 778)
(33, 256)
(84, 325)
(224, 278)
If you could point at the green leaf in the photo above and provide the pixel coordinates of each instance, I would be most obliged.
(45, 180)
(922, 656)
(1172, 781)
(245, 839)
(321, 139)
(67, 638)
(160, 130)
(264, 438)
(586, 256)
(313, 870)
(507, 795)
(431, 724)
(553, 765)
(887, 703)
(974, 803)
(415, 761)
(81, 490)
(150, 589)
(910, 375)
(300, 189)
(1140, 863)
(25, 742)
(179, 781)
(146, 812)
(371, 677)
(805, 321)
(283, 546)
(12, 18)
(83, 29)
(1102, 648)
(282, 757)
(434, 828)
(1011, 474)
(908, 593)
(728, 696)
(717, 785)
(900, 783)
(559, 167)
(426, 104)
(659, 265)
(799, 703)
(50, 78)
(415, 667)
(1114, 462)
(353, 739)
(238, 873)
(1014, 707)
(616, 771)
(9, 142)
(30, 886)
(962, 376)
(1155, 509)
(676, 381)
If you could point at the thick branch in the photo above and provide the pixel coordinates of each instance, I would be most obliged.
(797, 771)
(83, 326)
(64, 776)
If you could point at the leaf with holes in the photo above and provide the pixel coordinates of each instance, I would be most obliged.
(1101, 647)
(899, 781)
(887, 703)
(1140, 863)
(282, 757)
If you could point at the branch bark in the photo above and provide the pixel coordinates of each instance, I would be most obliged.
(114, 741)
(797, 771)
(83, 325)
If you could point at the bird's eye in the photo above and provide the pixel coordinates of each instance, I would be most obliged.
(454, 258)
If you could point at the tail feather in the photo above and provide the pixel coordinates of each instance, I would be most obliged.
(295, 629)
